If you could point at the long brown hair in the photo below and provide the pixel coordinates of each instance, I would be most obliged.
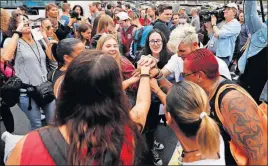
(83, 28)
(104, 21)
(4, 20)
(94, 109)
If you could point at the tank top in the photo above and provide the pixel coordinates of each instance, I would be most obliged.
(226, 137)
(57, 74)
(31, 155)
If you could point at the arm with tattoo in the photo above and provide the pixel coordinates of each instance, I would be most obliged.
(244, 126)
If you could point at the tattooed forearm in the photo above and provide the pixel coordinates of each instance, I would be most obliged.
(244, 125)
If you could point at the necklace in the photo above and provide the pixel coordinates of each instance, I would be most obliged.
(38, 57)
(185, 152)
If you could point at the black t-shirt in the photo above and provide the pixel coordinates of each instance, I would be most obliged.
(162, 26)
(62, 31)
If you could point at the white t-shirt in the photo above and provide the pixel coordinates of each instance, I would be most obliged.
(175, 67)
(220, 161)
(176, 157)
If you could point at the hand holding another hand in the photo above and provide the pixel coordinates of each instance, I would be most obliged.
(154, 85)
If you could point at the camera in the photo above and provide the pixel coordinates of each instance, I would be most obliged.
(74, 14)
(205, 16)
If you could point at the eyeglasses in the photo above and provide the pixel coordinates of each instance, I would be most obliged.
(155, 42)
(183, 75)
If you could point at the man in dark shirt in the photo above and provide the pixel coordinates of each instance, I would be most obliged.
(165, 14)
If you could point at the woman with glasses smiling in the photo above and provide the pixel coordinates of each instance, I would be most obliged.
(156, 47)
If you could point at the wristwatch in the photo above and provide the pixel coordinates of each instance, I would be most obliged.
(214, 25)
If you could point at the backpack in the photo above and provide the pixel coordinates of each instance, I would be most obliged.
(139, 41)
(58, 148)
(240, 157)
(10, 84)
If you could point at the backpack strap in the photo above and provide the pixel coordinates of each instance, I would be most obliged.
(55, 144)
(223, 88)
(139, 37)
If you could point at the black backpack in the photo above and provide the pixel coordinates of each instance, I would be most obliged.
(10, 88)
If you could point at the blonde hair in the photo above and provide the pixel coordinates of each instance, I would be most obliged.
(4, 20)
(49, 7)
(185, 34)
(185, 102)
(104, 21)
(102, 40)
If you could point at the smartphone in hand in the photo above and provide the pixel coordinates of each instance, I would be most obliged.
(35, 29)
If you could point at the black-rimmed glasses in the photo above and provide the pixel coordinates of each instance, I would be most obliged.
(155, 42)
(186, 75)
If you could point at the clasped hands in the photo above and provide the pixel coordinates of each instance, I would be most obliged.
(148, 65)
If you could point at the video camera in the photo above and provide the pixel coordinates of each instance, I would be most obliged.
(205, 16)
(74, 14)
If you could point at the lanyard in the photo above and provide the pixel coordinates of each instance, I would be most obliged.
(38, 57)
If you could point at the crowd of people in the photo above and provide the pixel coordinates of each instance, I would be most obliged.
(101, 82)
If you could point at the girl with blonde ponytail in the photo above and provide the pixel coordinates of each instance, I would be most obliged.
(187, 113)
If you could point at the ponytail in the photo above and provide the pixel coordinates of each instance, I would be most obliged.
(208, 136)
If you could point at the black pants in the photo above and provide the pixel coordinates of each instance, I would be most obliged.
(255, 75)
(7, 117)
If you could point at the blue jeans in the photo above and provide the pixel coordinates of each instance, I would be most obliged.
(34, 115)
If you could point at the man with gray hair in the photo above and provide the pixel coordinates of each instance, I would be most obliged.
(223, 35)
(195, 19)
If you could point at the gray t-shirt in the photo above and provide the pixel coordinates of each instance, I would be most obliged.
(30, 64)
(243, 36)
(196, 23)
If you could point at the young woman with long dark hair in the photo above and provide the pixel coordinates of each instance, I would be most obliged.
(156, 46)
(92, 116)
(84, 34)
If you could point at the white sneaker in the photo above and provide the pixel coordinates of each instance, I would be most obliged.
(43, 117)
(156, 159)
(158, 146)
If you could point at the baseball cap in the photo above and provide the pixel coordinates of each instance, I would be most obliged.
(123, 16)
(232, 5)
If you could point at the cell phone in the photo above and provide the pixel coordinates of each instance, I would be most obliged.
(36, 30)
